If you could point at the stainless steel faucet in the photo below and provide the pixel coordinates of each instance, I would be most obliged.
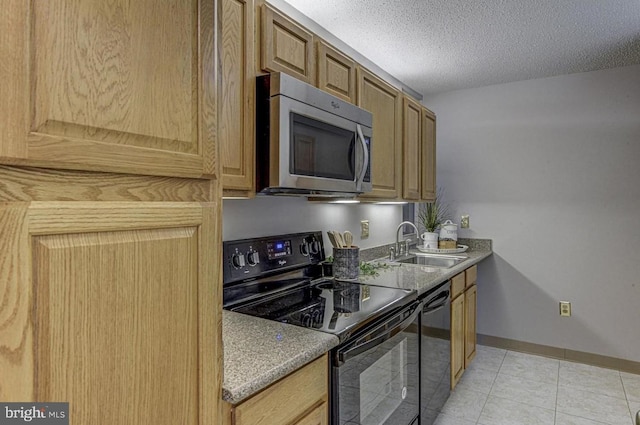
(400, 246)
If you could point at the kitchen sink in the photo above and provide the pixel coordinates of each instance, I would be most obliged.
(432, 260)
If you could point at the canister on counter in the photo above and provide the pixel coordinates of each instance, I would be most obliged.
(448, 235)
(346, 263)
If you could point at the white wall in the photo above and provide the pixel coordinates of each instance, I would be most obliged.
(272, 215)
(550, 170)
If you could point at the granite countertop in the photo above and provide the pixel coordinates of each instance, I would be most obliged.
(258, 352)
(423, 278)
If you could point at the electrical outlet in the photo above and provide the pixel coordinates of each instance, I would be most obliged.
(565, 308)
(364, 229)
(464, 221)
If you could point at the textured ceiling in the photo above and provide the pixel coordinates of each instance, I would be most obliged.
(441, 45)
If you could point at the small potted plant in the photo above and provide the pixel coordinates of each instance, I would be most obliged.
(432, 215)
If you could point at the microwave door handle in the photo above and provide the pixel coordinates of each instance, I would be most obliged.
(365, 161)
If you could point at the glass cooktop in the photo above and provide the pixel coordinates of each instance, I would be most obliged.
(331, 306)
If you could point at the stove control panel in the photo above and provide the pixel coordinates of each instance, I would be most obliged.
(252, 258)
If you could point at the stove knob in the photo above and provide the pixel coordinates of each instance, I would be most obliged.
(304, 249)
(315, 247)
(253, 258)
(237, 260)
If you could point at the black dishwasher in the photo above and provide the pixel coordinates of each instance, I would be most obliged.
(435, 340)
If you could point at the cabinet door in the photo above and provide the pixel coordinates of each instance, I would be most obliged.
(336, 73)
(318, 416)
(471, 275)
(116, 86)
(383, 101)
(284, 402)
(428, 155)
(457, 339)
(286, 47)
(411, 139)
(457, 284)
(470, 302)
(104, 313)
(237, 93)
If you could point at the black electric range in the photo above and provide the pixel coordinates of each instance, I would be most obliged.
(280, 278)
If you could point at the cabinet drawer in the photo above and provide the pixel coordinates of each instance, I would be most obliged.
(457, 285)
(318, 416)
(472, 275)
(284, 402)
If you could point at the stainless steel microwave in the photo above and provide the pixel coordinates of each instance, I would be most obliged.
(309, 142)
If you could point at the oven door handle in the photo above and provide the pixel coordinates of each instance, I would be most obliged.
(359, 348)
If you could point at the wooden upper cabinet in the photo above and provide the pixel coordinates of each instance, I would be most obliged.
(411, 148)
(116, 86)
(336, 73)
(383, 101)
(285, 46)
(428, 189)
(237, 94)
(104, 311)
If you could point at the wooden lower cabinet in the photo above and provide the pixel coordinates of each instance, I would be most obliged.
(470, 303)
(463, 322)
(300, 398)
(110, 306)
(457, 339)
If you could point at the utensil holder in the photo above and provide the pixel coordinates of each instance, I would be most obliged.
(346, 263)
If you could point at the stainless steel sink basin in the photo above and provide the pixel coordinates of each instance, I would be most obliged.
(433, 260)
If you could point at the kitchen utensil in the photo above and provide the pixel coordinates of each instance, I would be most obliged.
(332, 239)
(348, 239)
(339, 239)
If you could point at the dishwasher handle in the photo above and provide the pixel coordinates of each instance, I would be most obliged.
(437, 302)
(368, 341)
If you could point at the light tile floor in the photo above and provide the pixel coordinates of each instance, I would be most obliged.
(509, 388)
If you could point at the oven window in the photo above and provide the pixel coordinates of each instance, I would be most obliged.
(321, 150)
(380, 385)
(383, 385)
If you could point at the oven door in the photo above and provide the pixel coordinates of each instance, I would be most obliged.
(318, 150)
(375, 377)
